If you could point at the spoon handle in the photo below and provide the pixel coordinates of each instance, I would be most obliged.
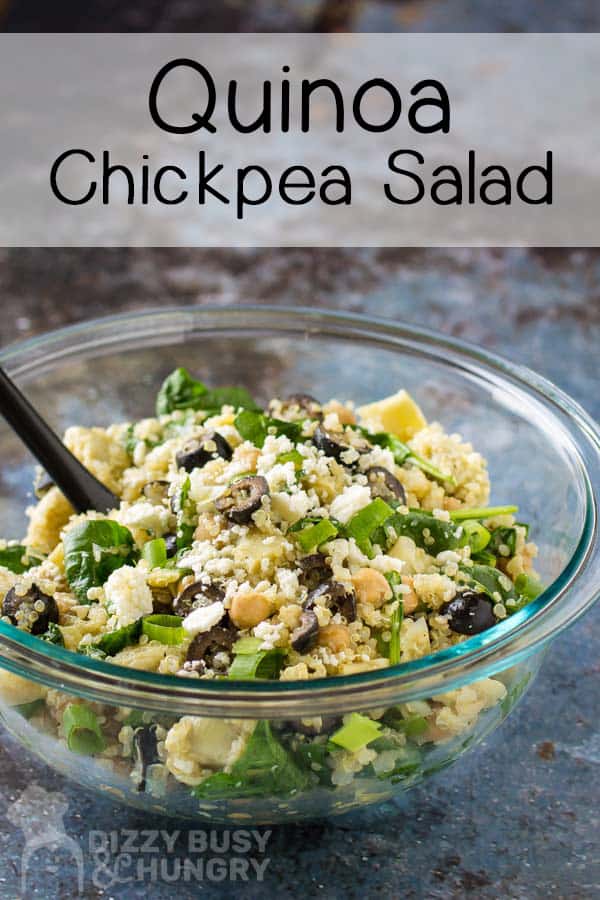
(79, 486)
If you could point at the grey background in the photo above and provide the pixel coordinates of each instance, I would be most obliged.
(517, 818)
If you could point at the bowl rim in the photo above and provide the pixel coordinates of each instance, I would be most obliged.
(504, 645)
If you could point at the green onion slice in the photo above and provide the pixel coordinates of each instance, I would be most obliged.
(251, 662)
(362, 525)
(481, 512)
(475, 535)
(163, 628)
(394, 579)
(356, 732)
(82, 730)
(312, 536)
(155, 553)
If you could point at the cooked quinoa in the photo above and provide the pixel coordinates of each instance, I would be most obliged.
(299, 541)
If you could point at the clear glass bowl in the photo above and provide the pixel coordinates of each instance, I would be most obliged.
(543, 452)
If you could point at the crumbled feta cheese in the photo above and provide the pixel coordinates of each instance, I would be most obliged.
(291, 507)
(349, 502)
(203, 618)
(128, 597)
(146, 515)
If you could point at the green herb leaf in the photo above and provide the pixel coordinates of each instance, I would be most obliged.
(27, 710)
(403, 453)
(237, 397)
(53, 635)
(94, 549)
(18, 558)
(179, 391)
(503, 542)
(431, 534)
(254, 426)
(251, 662)
(266, 768)
(493, 581)
(113, 641)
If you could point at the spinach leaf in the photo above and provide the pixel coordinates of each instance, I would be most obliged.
(185, 511)
(493, 581)
(180, 390)
(503, 538)
(433, 535)
(313, 757)
(266, 768)
(18, 559)
(114, 641)
(237, 397)
(254, 426)
(94, 549)
(53, 635)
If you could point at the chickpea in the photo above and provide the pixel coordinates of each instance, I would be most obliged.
(344, 413)
(451, 503)
(249, 609)
(410, 601)
(335, 637)
(248, 456)
(371, 587)
(208, 527)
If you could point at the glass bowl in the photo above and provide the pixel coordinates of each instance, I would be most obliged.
(542, 450)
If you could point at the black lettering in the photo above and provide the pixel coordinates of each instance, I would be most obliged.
(168, 201)
(198, 121)
(307, 89)
(503, 181)
(54, 178)
(396, 105)
(454, 181)
(343, 181)
(107, 171)
(242, 198)
(546, 173)
(392, 159)
(262, 120)
(204, 177)
(286, 185)
(442, 103)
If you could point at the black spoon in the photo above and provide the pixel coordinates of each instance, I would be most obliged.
(77, 484)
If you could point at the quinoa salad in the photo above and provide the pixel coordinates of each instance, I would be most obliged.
(302, 540)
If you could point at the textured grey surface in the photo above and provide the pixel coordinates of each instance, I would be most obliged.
(518, 817)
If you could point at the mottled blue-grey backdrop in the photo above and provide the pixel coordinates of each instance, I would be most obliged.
(518, 817)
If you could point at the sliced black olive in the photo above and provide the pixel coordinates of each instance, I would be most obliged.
(196, 452)
(33, 611)
(337, 598)
(314, 570)
(196, 595)
(41, 483)
(145, 752)
(329, 442)
(385, 485)
(242, 498)
(171, 544)
(469, 613)
(205, 647)
(299, 406)
(305, 635)
(156, 491)
(162, 600)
